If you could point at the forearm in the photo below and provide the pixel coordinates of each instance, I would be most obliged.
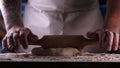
(11, 11)
(112, 20)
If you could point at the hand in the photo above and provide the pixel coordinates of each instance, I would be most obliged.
(17, 36)
(108, 39)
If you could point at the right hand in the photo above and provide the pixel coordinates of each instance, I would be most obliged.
(107, 38)
(17, 36)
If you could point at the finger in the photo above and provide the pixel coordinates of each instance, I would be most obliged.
(110, 41)
(24, 39)
(10, 42)
(4, 44)
(32, 37)
(100, 36)
(115, 42)
(16, 41)
(92, 35)
(101, 39)
(119, 43)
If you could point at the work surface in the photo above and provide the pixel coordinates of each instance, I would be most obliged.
(86, 57)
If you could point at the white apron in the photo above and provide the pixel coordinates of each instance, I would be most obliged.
(57, 17)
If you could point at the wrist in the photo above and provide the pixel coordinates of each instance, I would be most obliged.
(13, 21)
(14, 26)
(112, 24)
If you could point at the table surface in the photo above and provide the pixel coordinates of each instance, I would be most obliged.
(86, 57)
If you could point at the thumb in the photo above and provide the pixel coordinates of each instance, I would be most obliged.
(92, 35)
(32, 37)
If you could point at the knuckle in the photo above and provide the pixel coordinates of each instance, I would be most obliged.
(22, 33)
(26, 29)
(8, 36)
(15, 35)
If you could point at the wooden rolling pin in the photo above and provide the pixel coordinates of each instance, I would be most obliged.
(64, 41)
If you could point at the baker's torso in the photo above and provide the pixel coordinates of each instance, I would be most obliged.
(57, 17)
(62, 5)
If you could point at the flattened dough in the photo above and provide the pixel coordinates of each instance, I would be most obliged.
(39, 51)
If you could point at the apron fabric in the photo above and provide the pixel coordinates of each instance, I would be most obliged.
(63, 17)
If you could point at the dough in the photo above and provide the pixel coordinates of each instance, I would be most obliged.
(55, 52)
